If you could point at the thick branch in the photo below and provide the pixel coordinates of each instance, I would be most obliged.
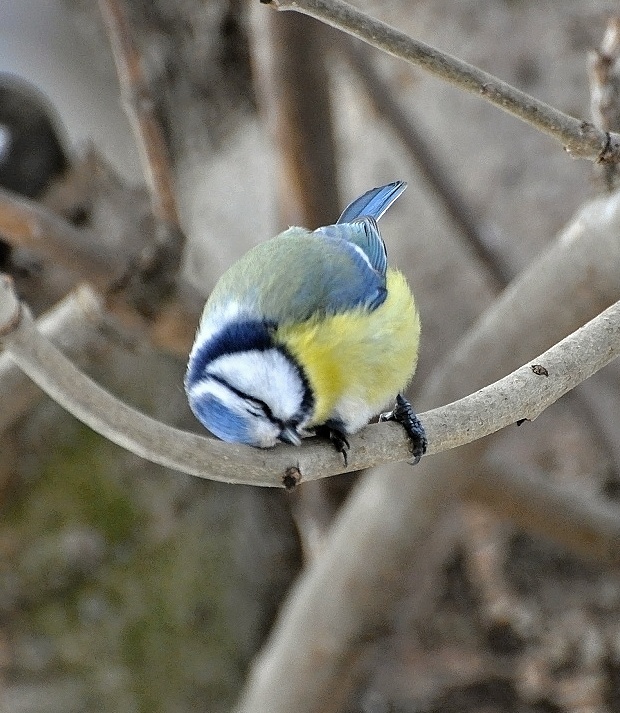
(580, 138)
(294, 94)
(530, 500)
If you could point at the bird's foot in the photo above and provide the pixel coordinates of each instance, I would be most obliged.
(404, 414)
(333, 431)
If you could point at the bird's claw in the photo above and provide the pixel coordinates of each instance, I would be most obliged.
(404, 414)
(337, 437)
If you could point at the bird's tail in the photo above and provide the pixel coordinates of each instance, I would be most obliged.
(373, 203)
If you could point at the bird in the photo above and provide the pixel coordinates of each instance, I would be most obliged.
(309, 333)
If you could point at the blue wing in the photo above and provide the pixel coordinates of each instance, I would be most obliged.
(358, 223)
(330, 270)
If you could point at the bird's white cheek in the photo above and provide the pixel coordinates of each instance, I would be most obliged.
(265, 434)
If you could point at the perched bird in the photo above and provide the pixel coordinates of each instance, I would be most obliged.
(310, 331)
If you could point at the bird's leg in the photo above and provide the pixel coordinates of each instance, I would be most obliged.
(404, 414)
(333, 431)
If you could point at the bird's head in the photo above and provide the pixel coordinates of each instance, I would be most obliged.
(244, 388)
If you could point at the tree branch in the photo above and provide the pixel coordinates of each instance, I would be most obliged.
(139, 106)
(153, 279)
(293, 90)
(580, 138)
(522, 395)
(75, 325)
(530, 500)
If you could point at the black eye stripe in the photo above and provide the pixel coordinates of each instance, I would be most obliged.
(246, 397)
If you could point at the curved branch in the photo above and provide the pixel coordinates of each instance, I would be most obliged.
(580, 138)
(524, 394)
(76, 324)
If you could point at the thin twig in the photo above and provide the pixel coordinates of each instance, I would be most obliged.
(149, 284)
(604, 69)
(604, 74)
(139, 105)
(580, 138)
(388, 108)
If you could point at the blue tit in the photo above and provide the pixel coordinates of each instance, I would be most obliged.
(309, 332)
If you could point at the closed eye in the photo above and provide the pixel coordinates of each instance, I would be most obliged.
(255, 407)
(259, 408)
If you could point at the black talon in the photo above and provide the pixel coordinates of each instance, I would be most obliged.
(332, 430)
(404, 414)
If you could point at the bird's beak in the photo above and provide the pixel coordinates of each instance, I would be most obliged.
(289, 435)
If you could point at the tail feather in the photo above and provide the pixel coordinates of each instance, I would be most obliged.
(373, 203)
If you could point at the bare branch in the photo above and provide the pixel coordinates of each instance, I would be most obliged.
(294, 94)
(529, 499)
(604, 74)
(604, 67)
(139, 106)
(149, 283)
(75, 326)
(580, 138)
(523, 394)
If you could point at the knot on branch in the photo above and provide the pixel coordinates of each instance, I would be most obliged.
(611, 151)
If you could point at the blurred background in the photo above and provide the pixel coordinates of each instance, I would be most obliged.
(124, 587)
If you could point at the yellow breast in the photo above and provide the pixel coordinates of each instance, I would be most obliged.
(359, 356)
